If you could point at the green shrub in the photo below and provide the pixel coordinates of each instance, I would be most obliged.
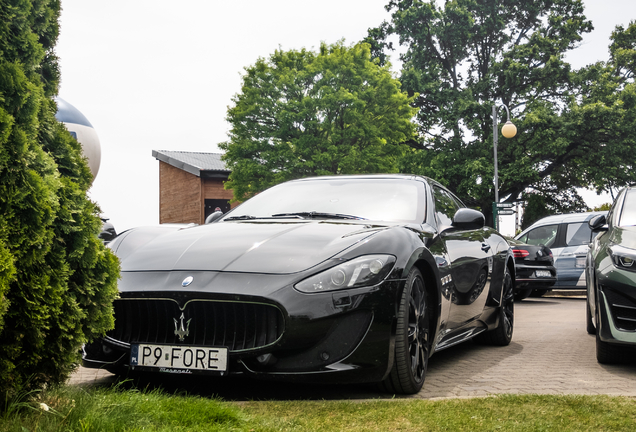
(57, 280)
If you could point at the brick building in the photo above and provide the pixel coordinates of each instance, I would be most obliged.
(191, 186)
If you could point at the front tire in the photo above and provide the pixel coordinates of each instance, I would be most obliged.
(502, 334)
(607, 353)
(412, 339)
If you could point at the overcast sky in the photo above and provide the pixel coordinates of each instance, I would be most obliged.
(159, 75)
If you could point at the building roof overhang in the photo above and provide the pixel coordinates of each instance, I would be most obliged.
(204, 165)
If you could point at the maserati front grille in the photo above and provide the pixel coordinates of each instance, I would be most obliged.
(239, 326)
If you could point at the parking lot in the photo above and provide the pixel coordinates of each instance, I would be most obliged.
(550, 353)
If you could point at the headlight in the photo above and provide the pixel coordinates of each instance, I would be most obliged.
(363, 271)
(623, 257)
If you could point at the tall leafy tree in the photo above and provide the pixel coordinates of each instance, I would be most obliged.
(302, 113)
(57, 280)
(603, 115)
(463, 56)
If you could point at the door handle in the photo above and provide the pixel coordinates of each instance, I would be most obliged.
(485, 247)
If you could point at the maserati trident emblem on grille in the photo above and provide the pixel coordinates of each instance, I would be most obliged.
(181, 330)
(187, 281)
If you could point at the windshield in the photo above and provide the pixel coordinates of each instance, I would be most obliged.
(628, 215)
(396, 200)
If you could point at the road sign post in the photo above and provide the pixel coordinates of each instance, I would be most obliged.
(501, 209)
(495, 215)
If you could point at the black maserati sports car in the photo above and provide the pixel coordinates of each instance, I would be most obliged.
(610, 276)
(336, 279)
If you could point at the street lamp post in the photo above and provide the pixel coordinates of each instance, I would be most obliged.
(508, 130)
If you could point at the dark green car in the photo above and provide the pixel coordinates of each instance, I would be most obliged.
(610, 275)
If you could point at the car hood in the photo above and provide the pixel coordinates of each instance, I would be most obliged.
(253, 247)
(624, 236)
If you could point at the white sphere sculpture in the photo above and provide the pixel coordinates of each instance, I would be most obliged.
(79, 126)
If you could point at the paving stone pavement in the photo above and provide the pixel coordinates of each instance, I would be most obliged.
(550, 353)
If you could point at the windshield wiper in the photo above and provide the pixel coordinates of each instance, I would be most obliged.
(313, 214)
(298, 215)
(242, 217)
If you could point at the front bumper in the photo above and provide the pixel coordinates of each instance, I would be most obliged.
(617, 307)
(340, 336)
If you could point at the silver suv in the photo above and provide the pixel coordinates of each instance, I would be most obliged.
(569, 237)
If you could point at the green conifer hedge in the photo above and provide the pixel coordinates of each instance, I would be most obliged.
(57, 280)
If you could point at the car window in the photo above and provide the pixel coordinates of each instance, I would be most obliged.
(628, 215)
(445, 206)
(373, 199)
(578, 234)
(544, 235)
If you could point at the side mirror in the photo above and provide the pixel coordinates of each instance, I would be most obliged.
(108, 233)
(466, 218)
(213, 217)
(598, 223)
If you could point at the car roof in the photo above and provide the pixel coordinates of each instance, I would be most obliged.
(564, 218)
(365, 176)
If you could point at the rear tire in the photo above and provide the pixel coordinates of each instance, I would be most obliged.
(412, 339)
(502, 334)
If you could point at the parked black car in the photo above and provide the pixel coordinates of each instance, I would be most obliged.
(610, 275)
(534, 265)
(330, 279)
(568, 236)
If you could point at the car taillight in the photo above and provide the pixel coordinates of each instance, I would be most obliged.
(520, 253)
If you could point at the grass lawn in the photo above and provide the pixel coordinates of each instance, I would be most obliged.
(116, 409)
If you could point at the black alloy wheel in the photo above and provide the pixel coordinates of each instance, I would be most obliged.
(412, 342)
(502, 334)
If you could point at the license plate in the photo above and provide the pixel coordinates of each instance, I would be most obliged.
(542, 273)
(176, 357)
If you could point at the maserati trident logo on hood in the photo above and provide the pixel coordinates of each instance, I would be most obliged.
(187, 281)
(180, 329)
